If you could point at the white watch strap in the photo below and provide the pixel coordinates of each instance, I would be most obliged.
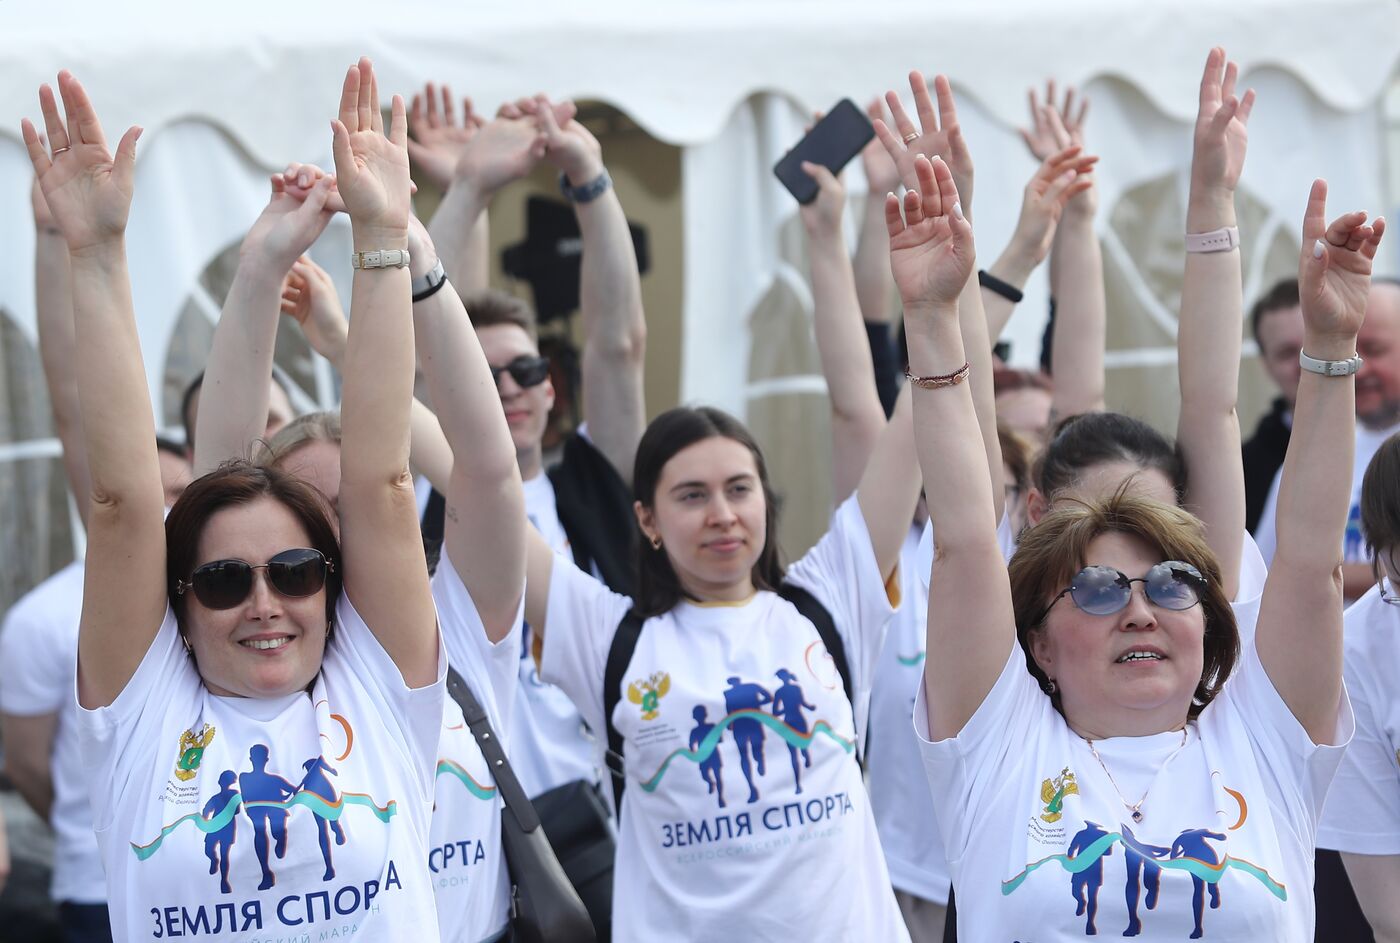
(379, 258)
(1330, 368)
(1219, 240)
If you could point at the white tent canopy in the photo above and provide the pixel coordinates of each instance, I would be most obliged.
(227, 92)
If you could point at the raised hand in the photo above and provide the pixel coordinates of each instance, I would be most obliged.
(1063, 176)
(505, 149)
(1221, 135)
(1334, 273)
(88, 191)
(569, 146)
(371, 169)
(1054, 127)
(290, 222)
(436, 140)
(938, 134)
(881, 172)
(310, 299)
(43, 219)
(931, 248)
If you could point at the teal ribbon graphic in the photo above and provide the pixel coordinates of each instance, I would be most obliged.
(711, 742)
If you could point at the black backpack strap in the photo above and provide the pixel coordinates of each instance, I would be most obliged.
(480, 726)
(624, 643)
(811, 609)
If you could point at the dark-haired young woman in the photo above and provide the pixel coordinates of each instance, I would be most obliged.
(261, 744)
(737, 822)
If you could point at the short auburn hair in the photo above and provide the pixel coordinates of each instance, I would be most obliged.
(489, 307)
(1054, 550)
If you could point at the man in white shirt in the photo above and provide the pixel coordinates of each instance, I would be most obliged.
(1377, 418)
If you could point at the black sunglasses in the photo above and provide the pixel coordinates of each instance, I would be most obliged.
(526, 371)
(1102, 590)
(224, 584)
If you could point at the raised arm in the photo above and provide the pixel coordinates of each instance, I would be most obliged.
(1212, 322)
(233, 404)
(610, 295)
(486, 524)
(386, 575)
(856, 415)
(53, 299)
(940, 134)
(971, 630)
(436, 143)
(1300, 618)
(89, 193)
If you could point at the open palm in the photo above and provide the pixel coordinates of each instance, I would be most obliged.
(1334, 276)
(931, 248)
(371, 169)
(87, 189)
(1221, 136)
(938, 134)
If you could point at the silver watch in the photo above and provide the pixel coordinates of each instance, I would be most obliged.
(1330, 368)
(430, 282)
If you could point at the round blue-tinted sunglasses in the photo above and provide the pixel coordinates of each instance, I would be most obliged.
(1102, 590)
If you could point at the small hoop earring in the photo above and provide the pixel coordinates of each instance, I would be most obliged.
(656, 542)
(1051, 687)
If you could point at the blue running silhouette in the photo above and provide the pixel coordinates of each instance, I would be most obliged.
(1085, 885)
(1139, 858)
(788, 703)
(1192, 844)
(218, 845)
(262, 786)
(315, 781)
(748, 733)
(710, 766)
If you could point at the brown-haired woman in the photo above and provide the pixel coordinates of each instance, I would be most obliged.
(1362, 818)
(227, 686)
(1123, 745)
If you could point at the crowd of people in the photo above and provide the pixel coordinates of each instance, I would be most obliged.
(1040, 648)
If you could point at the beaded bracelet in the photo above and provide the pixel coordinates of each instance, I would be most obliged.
(937, 383)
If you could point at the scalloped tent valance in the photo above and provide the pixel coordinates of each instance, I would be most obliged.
(257, 69)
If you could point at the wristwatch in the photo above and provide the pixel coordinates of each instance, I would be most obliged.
(587, 192)
(379, 258)
(1330, 368)
(429, 284)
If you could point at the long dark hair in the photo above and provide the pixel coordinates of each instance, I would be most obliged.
(658, 587)
(233, 484)
(1088, 439)
(1380, 505)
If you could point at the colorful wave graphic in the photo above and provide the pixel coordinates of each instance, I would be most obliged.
(449, 768)
(910, 661)
(708, 745)
(1204, 870)
(317, 804)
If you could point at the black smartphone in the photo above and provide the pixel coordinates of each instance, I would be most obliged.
(832, 142)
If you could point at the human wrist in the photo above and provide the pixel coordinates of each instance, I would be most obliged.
(1210, 208)
(370, 237)
(582, 170)
(105, 253)
(1329, 346)
(1015, 265)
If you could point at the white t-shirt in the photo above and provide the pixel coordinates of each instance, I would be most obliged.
(242, 819)
(745, 817)
(1039, 839)
(899, 796)
(1368, 442)
(551, 745)
(38, 662)
(1362, 815)
(465, 858)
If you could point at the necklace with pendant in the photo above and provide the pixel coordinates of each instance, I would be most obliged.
(1135, 808)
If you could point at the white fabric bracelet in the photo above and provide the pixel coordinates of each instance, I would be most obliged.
(1218, 240)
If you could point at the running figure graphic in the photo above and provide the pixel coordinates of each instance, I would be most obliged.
(316, 783)
(710, 765)
(748, 732)
(219, 845)
(260, 786)
(1192, 844)
(1085, 885)
(1139, 858)
(788, 704)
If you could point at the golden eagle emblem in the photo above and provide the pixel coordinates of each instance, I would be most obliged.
(191, 752)
(649, 692)
(1053, 792)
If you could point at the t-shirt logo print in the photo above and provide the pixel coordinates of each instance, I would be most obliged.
(1053, 792)
(269, 800)
(192, 747)
(746, 719)
(648, 692)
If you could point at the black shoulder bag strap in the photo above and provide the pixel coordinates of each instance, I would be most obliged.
(624, 643)
(544, 904)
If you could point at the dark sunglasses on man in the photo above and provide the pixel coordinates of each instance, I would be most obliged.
(223, 584)
(525, 370)
(1102, 590)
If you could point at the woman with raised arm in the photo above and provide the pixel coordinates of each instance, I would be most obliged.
(1111, 733)
(227, 685)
